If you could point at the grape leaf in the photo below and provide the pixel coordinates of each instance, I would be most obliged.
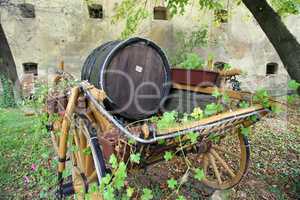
(129, 191)
(168, 155)
(180, 198)
(244, 104)
(172, 183)
(294, 85)
(193, 136)
(147, 194)
(199, 174)
(245, 131)
(113, 161)
(197, 113)
(135, 158)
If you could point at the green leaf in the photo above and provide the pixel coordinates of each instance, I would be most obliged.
(244, 104)
(212, 109)
(276, 109)
(245, 131)
(196, 114)
(227, 66)
(129, 191)
(87, 151)
(192, 61)
(108, 193)
(120, 176)
(261, 96)
(172, 183)
(215, 138)
(291, 98)
(292, 84)
(216, 93)
(135, 158)
(131, 141)
(168, 119)
(168, 155)
(226, 98)
(193, 136)
(106, 180)
(113, 161)
(147, 194)
(199, 174)
(180, 197)
(253, 118)
(161, 141)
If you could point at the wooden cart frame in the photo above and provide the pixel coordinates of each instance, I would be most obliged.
(87, 124)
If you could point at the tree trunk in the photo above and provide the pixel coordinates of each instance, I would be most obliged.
(286, 45)
(7, 65)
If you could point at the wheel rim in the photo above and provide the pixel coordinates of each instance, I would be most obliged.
(226, 162)
(83, 169)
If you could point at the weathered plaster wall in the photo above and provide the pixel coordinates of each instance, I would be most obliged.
(62, 30)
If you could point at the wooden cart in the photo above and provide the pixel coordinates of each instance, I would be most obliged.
(86, 124)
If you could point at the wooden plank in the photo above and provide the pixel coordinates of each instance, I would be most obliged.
(66, 126)
(211, 119)
(210, 90)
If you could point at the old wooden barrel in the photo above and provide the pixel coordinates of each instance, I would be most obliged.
(134, 73)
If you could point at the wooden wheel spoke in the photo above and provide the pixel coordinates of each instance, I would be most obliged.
(223, 163)
(215, 168)
(89, 165)
(79, 151)
(226, 151)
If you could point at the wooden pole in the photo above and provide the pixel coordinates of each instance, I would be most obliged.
(65, 129)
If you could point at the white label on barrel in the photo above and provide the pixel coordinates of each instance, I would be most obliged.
(138, 68)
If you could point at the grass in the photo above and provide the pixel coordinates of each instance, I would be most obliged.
(26, 167)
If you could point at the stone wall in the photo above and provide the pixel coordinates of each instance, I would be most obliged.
(63, 30)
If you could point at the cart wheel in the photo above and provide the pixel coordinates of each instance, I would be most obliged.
(225, 160)
(79, 150)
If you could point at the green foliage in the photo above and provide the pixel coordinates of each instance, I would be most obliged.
(180, 197)
(135, 158)
(113, 161)
(261, 96)
(294, 85)
(197, 113)
(199, 174)
(286, 7)
(212, 109)
(245, 131)
(87, 151)
(193, 136)
(133, 12)
(192, 61)
(187, 42)
(172, 183)
(214, 138)
(227, 66)
(216, 93)
(147, 194)
(244, 104)
(120, 176)
(168, 119)
(7, 97)
(168, 155)
(129, 192)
